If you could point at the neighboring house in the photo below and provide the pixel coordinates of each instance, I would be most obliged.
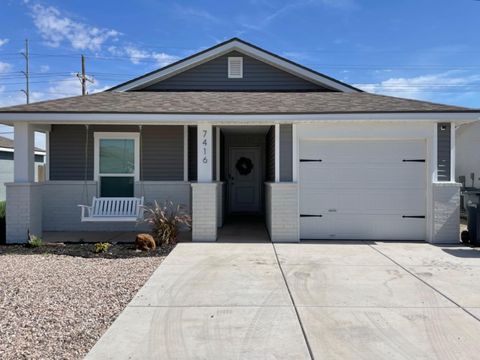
(6, 164)
(468, 154)
(237, 129)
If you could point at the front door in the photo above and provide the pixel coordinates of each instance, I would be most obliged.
(244, 179)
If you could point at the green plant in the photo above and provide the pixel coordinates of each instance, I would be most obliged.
(165, 220)
(3, 207)
(35, 241)
(101, 247)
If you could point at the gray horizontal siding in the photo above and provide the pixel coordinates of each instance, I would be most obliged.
(286, 152)
(67, 152)
(162, 155)
(213, 76)
(443, 152)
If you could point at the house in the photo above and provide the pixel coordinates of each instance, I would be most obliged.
(6, 164)
(237, 129)
(467, 146)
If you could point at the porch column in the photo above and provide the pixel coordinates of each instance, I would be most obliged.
(204, 192)
(23, 161)
(204, 151)
(281, 196)
(24, 196)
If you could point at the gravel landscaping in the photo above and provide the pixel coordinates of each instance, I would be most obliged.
(56, 302)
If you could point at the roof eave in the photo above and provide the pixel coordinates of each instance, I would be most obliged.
(192, 118)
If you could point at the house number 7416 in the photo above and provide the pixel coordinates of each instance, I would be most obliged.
(204, 147)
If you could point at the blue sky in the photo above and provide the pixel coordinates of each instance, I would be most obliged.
(421, 49)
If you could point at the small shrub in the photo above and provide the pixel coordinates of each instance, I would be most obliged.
(35, 241)
(3, 207)
(166, 220)
(101, 247)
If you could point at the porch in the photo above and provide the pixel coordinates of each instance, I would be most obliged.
(216, 172)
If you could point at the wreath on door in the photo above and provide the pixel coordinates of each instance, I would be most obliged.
(244, 166)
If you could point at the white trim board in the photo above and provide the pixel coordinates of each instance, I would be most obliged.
(244, 48)
(233, 119)
(4, 149)
(277, 153)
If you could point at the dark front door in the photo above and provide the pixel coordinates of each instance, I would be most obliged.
(244, 179)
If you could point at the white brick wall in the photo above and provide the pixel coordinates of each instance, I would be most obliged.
(24, 211)
(446, 212)
(282, 219)
(204, 211)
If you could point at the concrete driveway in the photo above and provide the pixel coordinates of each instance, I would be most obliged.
(352, 300)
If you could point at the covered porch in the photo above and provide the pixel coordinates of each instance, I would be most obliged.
(219, 172)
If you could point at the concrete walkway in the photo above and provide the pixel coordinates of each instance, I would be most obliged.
(352, 300)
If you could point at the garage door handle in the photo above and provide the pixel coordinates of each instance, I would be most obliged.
(310, 160)
(413, 216)
(413, 160)
(305, 215)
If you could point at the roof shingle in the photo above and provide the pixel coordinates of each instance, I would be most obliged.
(233, 103)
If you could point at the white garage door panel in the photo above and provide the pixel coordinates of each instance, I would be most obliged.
(362, 227)
(348, 201)
(362, 189)
(362, 151)
(333, 175)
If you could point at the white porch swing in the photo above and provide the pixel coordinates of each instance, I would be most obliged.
(112, 209)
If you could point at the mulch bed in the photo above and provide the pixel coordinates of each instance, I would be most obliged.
(86, 250)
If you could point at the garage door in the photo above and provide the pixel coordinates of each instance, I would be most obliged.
(362, 190)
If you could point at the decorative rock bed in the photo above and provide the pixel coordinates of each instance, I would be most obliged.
(56, 302)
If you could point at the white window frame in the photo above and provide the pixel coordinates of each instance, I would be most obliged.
(230, 59)
(97, 136)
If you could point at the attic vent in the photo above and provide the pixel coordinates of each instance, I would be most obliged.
(235, 67)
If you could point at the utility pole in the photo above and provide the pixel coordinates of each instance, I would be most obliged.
(26, 72)
(84, 78)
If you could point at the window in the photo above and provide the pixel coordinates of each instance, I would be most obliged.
(116, 163)
(235, 67)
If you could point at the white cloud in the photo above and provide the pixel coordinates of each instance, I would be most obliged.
(3, 42)
(275, 13)
(72, 87)
(5, 67)
(340, 4)
(44, 68)
(55, 28)
(55, 90)
(192, 13)
(137, 55)
(10, 98)
(424, 86)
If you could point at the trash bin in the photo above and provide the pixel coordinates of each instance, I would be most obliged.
(474, 224)
(469, 196)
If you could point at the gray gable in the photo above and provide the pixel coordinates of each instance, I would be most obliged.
(212, 76)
